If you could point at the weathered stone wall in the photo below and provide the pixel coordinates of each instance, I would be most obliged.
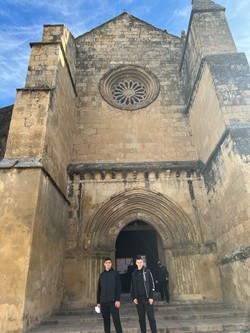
(228, 105)
(227, 179)
(80, 279)
(195, 277)
(60, 132)
(44, 288)
(32, 243)
(208, 34)
(231, 77)
(158, 132)
(235, 276)
(28, 125)
(206, 118)
(19, 194)
(220, 119)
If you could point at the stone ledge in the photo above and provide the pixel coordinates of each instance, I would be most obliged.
(24, 162)
(30, 163)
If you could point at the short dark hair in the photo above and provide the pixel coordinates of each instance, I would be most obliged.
(107, 259)
(138, 257)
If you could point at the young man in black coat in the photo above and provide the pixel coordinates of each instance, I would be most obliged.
(142, 293)
(108, 296)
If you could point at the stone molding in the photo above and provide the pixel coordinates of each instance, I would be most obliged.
(152, 207)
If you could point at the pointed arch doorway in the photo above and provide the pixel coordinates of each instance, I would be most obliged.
(176, 235)
(137, 237)
(178, 238)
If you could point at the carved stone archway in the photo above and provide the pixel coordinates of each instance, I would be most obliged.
(188, 259)
(167, 218)
(180, 239)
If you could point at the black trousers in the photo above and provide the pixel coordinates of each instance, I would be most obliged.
(163, 287)
(142, 308)
(106, 310)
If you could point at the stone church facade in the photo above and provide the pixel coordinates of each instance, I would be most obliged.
(126, 127)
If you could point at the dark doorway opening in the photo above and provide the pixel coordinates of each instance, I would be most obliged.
(136, 238)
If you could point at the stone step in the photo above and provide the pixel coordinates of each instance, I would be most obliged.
(179, 315)
(159, 307)
(128, 304)
(183, 327)
(171, 318)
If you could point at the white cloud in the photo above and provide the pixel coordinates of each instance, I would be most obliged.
(183, 13)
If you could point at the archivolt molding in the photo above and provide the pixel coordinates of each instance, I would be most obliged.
(168, 219)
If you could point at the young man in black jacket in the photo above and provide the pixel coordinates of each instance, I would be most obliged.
(142, 293)
(108, 296)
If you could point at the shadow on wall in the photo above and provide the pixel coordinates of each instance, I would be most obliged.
(5, 118)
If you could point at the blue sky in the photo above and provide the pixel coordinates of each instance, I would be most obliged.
(21, 22)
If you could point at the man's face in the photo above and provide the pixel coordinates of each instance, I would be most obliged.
(107, 265)
(139, 263)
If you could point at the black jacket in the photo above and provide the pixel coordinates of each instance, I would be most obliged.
(161, 273)
(109, 287)
(148, 283)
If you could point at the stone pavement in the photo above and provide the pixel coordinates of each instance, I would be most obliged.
(177, 317)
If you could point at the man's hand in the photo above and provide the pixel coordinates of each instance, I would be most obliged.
(136, 301)
(151, 301)
(117, 304)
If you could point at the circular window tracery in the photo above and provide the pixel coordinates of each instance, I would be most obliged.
(129, 87)
(129, 93)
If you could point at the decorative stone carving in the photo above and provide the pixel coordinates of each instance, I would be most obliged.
(129, 87)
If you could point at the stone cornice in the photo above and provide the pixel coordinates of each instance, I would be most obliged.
(29, 163)
(137, 167)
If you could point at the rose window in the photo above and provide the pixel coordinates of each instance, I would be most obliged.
(129, 87)
(129, 93)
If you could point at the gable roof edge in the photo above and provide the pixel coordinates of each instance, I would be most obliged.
(134, 17)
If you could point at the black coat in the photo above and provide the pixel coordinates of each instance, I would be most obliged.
(148, 283)
(161, 274)
(109, 287)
